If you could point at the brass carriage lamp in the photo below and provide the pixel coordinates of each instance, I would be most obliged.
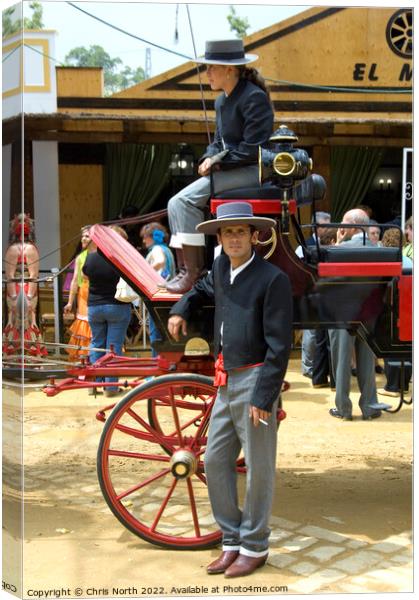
(281, 163)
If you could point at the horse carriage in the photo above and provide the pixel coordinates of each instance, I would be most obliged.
(150, 458)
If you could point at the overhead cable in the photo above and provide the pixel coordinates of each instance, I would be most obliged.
(136, 37)
(201, 88)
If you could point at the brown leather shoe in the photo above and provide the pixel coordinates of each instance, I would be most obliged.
(245, 565)
(226, 558)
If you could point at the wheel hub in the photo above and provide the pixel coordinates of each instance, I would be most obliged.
(183, 463)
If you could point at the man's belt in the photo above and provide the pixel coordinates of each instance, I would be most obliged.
(221, 374)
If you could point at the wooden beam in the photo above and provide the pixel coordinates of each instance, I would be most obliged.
(11, 130)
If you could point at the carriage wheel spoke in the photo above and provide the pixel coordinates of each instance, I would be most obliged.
(203, 426)
(201, 477)
(163, 505)
(185, 425)
(193, 508)
(143, 484)
(176, 417)
(139, 455)
(160, 438)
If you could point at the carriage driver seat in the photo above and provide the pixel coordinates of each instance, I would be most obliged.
(266, 199)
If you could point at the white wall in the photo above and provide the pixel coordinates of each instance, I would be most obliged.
(46, 202)
(28, 73)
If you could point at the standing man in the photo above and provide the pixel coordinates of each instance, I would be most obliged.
(308, 342)
(252, 338)
(342, 344)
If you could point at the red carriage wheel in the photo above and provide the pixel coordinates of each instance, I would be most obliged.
(151, 470)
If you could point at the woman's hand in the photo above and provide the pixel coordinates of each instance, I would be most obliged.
(67, 308)
(205, 167)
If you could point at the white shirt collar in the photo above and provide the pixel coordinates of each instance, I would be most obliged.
(235, 272)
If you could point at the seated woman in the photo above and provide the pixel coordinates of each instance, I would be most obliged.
(160, 257)
(244, 121)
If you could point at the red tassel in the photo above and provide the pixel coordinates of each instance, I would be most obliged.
(220, 378)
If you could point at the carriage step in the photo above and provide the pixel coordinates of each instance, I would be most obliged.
(398, 363)
(379, 406)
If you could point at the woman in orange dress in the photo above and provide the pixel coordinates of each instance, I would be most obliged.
(81, 333)
(21, 334)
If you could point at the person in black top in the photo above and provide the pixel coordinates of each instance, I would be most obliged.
(108, 318)
(252, 337)
(244, 121)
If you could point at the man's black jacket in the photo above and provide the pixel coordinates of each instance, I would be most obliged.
(244, 121)
(256, 312)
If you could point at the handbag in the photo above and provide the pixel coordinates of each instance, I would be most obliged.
(124, 292)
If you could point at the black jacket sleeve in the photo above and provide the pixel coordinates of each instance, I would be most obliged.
(277, 326)
(214, 148)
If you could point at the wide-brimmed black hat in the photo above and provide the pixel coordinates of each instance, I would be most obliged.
(225, 52)
(234, 213)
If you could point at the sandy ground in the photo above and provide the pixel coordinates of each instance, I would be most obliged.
(342, 514)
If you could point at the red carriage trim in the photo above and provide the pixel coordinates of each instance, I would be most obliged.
(131, 264)
(404, 322)
(221, 374)
(360, 269)
(260, 207)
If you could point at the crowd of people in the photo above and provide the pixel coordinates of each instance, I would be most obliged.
(330, 358)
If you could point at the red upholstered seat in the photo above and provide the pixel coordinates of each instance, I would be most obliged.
(130, 263)
(260, 207)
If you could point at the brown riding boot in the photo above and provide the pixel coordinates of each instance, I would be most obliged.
(194, 264)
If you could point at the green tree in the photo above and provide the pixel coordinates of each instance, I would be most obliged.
(11, 25)
(116, 76)
(36, 21)
(239, 25)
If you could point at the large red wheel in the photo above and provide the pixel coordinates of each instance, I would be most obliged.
(150, 462)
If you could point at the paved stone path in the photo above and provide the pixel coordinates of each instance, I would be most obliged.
(323, 560)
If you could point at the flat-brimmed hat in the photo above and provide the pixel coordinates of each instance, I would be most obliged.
(225, 52)
(234, 213)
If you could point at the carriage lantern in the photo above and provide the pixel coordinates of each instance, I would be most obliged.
(281, 163)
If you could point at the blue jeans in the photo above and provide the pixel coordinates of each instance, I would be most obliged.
(109, 324)
(155, 336)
